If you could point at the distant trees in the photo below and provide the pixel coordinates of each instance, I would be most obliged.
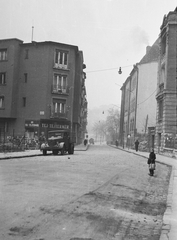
(113, 123)
(100, 130)
(109, 129)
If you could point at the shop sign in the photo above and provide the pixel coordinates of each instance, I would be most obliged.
(31, 123)
(55, 125)
(41, 112)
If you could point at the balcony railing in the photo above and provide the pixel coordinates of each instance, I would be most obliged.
(58, 115)
(59, 89)
(60, 66)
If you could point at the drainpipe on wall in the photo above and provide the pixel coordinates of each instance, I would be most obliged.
(121, 131)
(135, 131)
(128, 132)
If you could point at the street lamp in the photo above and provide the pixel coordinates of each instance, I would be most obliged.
(120, 71)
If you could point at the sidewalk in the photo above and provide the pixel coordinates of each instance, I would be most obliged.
(169, 228)
(32, 153)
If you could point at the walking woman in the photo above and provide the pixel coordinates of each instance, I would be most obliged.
(151, 162)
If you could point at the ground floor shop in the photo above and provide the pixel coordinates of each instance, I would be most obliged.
(30, 130)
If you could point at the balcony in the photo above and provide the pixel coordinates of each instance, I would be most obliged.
(83, 75)
(60, 66)
(58, 115)
(83, 82)
(57, 89)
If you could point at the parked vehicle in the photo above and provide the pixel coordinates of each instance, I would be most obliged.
(58, 141)
(91, 141)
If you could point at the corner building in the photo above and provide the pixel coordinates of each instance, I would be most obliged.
(166, 120)
(42, 87)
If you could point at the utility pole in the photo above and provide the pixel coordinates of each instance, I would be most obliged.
(32, 34)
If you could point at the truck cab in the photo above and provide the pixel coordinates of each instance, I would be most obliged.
(58, 141)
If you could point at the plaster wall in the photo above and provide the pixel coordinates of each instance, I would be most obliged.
(146, 101)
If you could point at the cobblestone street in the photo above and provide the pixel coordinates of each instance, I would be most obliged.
(103, 193)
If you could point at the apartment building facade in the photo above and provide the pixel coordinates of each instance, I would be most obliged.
(138, 102)
(166, 121)
(42, 85)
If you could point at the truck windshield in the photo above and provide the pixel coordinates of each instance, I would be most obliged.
(54, 135)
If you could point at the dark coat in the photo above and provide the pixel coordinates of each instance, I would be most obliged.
(85, 142)
(152, 158)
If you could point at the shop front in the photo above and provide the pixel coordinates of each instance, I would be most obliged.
(35, 128)
(47, 125)
(32, 129)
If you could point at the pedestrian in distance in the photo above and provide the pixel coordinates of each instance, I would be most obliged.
(42, 139)
(151, 162)
(117, 143)
(85, 142)
(136, 145)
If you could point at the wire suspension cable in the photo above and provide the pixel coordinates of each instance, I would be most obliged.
(147, 98)
(107, 69)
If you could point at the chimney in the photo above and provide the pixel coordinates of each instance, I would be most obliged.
(148, 49)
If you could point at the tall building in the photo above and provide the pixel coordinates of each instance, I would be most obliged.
(166, 121)
(42, 85)
(138, 103)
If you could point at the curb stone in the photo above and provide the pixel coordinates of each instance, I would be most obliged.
(23, 156)
(36, 154)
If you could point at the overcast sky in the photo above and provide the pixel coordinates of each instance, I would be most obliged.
(111, 34)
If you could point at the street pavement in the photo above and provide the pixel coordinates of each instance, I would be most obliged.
(169, 227)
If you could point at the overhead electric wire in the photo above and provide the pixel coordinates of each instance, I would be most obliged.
(147, 98)
(107, 69)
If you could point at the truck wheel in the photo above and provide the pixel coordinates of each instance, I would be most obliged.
(62, 151)
(55, 152)
(71, 149)
(44, 152)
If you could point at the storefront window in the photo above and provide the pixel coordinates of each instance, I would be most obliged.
(171, 141)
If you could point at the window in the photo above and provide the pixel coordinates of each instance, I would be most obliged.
(159, 139)
(6, 127)
(132, 105)
(163, 44)
(133, 84)
(59, 106)
(162, 79)
(160, 109)
(25, 77)
(1, 101)
(2, 78)
(24, 102)
(126, 100)
(3, 54)
(60, 82)
(132, 124)
(26, 53)
(61, 59)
